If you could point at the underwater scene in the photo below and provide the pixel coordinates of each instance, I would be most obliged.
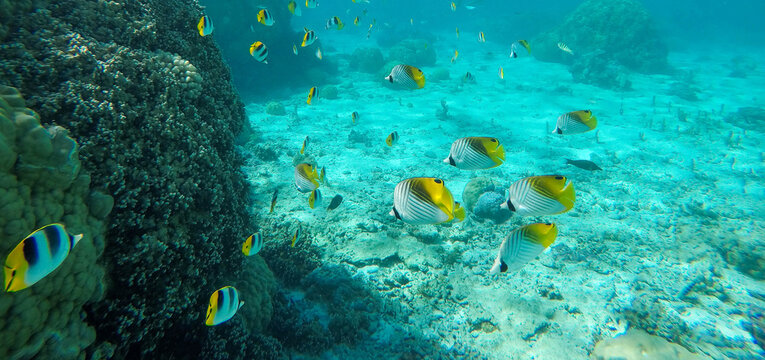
(382, 179)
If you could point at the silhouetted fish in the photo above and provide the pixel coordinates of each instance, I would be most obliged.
(583, 164)
(336, 201)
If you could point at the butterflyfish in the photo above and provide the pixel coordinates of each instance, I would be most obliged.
(407, 76)
(356, 21)
(468, 78)
(224, 304)
(575, 122)
(520, 48)
(311, 4)
(38, 255)
(354, 117)
(541, 195)
(293, 7)
(252, 244)
(318, 54)
(454, 58)
(334, 22)
(265, 18)
(205, 26)
(392, 138)
(476, 153)
(311, 94)
(273, 200)
(309, 37)
(481, 38)
(314, 199)
(523, 245)
(501, 73)
(454, 6)
(424, 201)
(295, 238)
(305, 146)
(306, 178)
(259, 51)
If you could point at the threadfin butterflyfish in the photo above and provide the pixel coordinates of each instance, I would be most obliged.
(407, 76)
(252, 244)
(205, 26)
(392, 138)
(38, 255)
(523, 245)
(424, 201)
(314, 199)
(265, 18)
(575, 122)
(224, 304)
(541, 195)
(476, 153)
(259, 51)
(306, 178)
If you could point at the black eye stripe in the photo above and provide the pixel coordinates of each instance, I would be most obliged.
(438, 181)
(559, 177)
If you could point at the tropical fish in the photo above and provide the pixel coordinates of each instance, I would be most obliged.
(518, 47)
(205, 26)
(295, 238)
(334, 22)
(458, 32)
(259, 52)
(306, 178)
(501, 73)
(293, 7)
(311, 94)
(38, 255)
(411, 21)
(356, 21)
(454, 58)
(454, 6)
(305, 145)
(422, 201)
(273, 200)
(309, 37)
(318, 54)
(294, 49)
(468, 78)
(311, 4)
(583, 164)
(392, 138)
(336, 201)
(323, 176)
(224, 304)
(475, 153)
(407, 76)
(314, 199)
(265, 18)
(575, 122)
(541, 195)
(252, 244)
(481, 38)
(354, 117)
(369, 31)
(523, 245)
(565, 48)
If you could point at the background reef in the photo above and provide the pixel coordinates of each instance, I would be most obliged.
(152, 107)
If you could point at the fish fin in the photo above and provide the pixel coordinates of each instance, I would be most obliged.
(241, 303)
(459, 212)
(77, 239)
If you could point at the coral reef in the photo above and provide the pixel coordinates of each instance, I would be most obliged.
(477, 186)
(488, 207)
(133, 82)
(367, 59)
(597, 69)
(413, 52)
(438, 74)
(275, 108)
(42, 182)
(747, 118)
(636, 344)
(328, 92)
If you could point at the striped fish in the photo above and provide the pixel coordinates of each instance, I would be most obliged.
(314, 199)
(259, 52)
(334, 22)
(392, 138)
(306, 178)
(475, 153)
(295, 238)
(354, 117)
(407, 76)
(309, 37)
(541, 195)
(311, 94)
(38, 255)
(468, 78)
(205, 26)
(273, 201)
(224, 304)
(424, 201)
(252, 244)
(565, 48)
(523, 245)
(575, 122)
(293, 7)
(311, 4)
(265, 18)
(481, 38)
(520, 48)
(305, 146)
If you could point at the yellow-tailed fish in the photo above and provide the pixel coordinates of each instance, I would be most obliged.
(541, 195)
(334, 22)
(314, 199)
(265, 18)
(523, 245)
(259, 51)
(520, 48)
(311, 94)
(293, 7)
(481, 38)
(458, 32)
(454, 58)
(224, 304)
(318, 54)
(205, 26)
(475, 153)
(575, 122)
(565, 48)
(356, 21)
(311, 4)
(273, 201)
(323, 175)
(306, 178)
(354, 117)
(305, 146)
(309, 37)
(501, 73)
(407, 76)
(422, 201)
(38, 255)
(252, 244)
(392, 138)
(294, 49)
(295, 238)
(454, 6)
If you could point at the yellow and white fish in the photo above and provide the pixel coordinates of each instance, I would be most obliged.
(38, 255)
(334, 22)
(354, 117)
(454, 58)
(541, 195)
(501, 73)
(520, 48)
(305, 146)
(575, 122)
(311, 94)
(407, 76)
(306, 178)
(295, 238)
(314, 199)
(523, 245)
(468, 78)
(481, 38)
(265, 18)
(565, 48)
(224, 304)
(392, 138)
(293, 7)
(454, 6)
(259, 51)
(476, 153)
(252, 244)
(356, 21)
(309, 37)
(424, 201)
(205, 26)
(323, 176)
(311, 4)
(318, 54)
(273, 200)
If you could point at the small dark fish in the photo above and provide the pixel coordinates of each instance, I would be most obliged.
(336, 201)
(583, 164)
(273, 200)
